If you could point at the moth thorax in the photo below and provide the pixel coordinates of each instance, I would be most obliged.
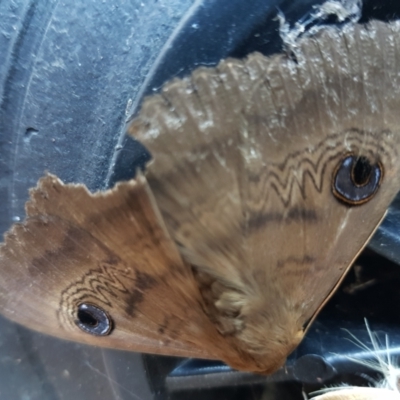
(263, 333)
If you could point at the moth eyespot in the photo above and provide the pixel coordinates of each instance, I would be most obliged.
(94, 320)
(356, 180)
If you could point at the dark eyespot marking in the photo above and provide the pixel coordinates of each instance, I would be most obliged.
(356, 180)
(94, 320)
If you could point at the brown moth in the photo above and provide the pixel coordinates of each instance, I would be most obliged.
(269, 176)
(386, 388)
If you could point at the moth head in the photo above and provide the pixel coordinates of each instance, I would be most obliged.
(263, 333)
(271, 333)
(269, 344)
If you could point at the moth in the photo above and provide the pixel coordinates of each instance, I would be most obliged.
(269, 176)
(387, 388)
